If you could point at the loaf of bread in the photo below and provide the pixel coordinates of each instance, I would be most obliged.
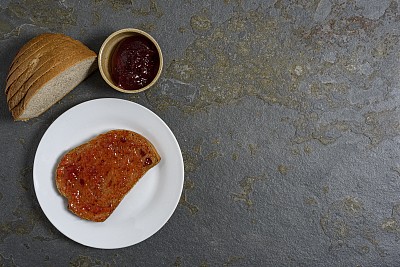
(44, 70)
(96, 176)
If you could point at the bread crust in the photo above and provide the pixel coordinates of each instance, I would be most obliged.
(18, 111)
(39, 61)
(33, 45)
(96, 176)
(66, 57)
(40, 48)
(30, 64)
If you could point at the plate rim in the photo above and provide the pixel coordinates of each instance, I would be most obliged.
(181, 172)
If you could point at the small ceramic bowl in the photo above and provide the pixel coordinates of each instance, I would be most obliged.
(107, 49)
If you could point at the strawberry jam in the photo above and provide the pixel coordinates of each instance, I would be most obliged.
(134, 62)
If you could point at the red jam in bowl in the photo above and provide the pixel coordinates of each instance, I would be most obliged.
(134, 63)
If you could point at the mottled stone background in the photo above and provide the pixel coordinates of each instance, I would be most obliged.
(287, 116)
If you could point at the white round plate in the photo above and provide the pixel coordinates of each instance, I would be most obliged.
(150, 203)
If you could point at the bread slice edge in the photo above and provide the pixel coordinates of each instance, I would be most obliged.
(54, 90)
(67, 58)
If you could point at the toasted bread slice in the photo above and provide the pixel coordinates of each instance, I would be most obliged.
(96, 176)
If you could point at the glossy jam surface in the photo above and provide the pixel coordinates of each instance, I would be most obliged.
(134, 63)
(96, 176)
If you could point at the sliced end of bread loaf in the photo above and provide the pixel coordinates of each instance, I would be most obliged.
(45, 70)
(54, 90)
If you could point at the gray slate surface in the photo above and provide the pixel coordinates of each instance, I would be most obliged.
(286, 113)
